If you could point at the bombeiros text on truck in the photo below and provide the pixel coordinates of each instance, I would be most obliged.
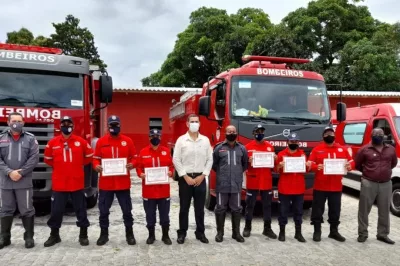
(268, 91)
(44, 85)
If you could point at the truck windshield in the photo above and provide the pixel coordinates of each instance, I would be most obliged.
(31, 88)
(279, 97)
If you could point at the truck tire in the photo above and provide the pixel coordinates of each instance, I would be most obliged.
(92, 200)
(395, 201)
(210, 199)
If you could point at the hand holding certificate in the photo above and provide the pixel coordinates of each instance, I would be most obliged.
(156, 175)
(263, 160)
(114, 167)
(335, 167)
(294, 164)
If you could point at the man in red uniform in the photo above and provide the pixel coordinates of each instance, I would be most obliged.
(291, 188)
(258, 180)
(327, 186)
(155, 195)
(111, 146)
(67, 154)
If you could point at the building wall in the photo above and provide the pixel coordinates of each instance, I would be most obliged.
(136, 109)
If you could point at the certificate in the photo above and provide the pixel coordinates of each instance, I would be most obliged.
(335, 167)
(263, 159)
(294, 164)
(112, 167)
(156, 175)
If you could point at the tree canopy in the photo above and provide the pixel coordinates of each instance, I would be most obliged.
(346, 44)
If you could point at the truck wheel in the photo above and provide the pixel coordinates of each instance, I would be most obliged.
(307, 205)
(92, 200)
(395, 201)
(210, 199)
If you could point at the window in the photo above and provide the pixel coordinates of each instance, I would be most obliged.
(155, 123)
(385, 126)
(354, 133)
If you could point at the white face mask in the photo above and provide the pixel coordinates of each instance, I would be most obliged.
(194, 127)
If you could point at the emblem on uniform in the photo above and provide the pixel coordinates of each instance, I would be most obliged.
(65, 117)
(374, 154)
(77, 143)
(123, 143)
(114, 117)
(293, 135)
(164, 153)
(340, 149)
(269, 149)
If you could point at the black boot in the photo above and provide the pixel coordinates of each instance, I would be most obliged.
(130, 237)
(282, 233)
(181, 237)
(152, 237)
(5, 236)
(54, 238)
(83, 237)
(247, 228)
(317, 233)
(236, 216)
(220, 220)
(28, 223)
(268, 231)
(298, 234)
(165, 236)
(103, 238)
(334, 234)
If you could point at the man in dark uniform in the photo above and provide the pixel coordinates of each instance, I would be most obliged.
(230, 160)
(19, 155)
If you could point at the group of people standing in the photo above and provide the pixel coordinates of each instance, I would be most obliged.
(192, 160)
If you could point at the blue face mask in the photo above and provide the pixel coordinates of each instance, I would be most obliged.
(114, 130)
(259, 137)
(377, 140)
(155, 141)
(66, 130)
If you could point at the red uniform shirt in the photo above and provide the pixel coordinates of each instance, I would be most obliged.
(109, 147)
(258, 178)
(290, 183)
(318, 154)
(149, 157)
(67, 157)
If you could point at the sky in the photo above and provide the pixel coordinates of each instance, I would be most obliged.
(134, 37)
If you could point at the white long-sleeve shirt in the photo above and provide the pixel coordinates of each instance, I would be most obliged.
(193, 156)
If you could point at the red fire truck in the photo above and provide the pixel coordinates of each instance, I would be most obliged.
(267, 91)
(44, 85)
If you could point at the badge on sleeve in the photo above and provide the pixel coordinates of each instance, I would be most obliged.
(164, 153)
(77, 143)
(123, 143)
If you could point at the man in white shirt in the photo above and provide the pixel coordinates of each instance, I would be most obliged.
(193, 161)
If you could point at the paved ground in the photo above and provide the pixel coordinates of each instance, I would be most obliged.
(257, 250)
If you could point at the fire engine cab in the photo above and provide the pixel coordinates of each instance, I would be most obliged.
(268, 91)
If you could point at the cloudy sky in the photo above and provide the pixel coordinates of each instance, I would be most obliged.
(135, 36)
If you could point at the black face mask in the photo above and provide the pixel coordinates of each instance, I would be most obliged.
(377, 140)
(293, 146)
(329, 139)
(155, 141)
(114, 130)
(259, 137)
(67, 130)
(231, 137)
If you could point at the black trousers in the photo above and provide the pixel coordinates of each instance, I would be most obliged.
(251, 199)
(58, 203)
(285, 200)
(106, 198)
(318, 207)
(150, 207)
(186, 193)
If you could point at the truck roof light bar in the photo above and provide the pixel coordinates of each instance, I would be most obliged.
(272, 59)
(30, 48)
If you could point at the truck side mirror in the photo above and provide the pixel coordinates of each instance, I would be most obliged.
(204, 106)
(341, 112)
(106, 89)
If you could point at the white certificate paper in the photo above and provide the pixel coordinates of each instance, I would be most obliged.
(156, 175)
(294, 164)
(113, 167)
(263, 159)
(335, 167)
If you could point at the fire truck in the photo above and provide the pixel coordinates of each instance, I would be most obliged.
(44, 85)
(265, 90)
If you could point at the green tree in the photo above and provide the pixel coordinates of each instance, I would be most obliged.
(25, 37)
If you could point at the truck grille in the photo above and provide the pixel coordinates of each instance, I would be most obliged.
(43, 133)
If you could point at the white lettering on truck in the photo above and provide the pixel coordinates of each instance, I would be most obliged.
(284, 144)
(21, 56)
(280, 72)
(31, 113)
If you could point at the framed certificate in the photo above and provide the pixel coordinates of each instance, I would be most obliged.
(294, 164)
(263, 159)
(156, 175)
(113, 167)
(335, 167)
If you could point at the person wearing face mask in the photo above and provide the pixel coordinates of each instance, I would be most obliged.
(230, 161)
(291, 188)
(258, 181)
(67, 154)
(19, 155)
(193, 161)
(375, 161)
(155, 155)
(115, 145)
(327, 187)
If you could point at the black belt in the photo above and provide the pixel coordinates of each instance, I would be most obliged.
(193, 175)
(377, 181)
